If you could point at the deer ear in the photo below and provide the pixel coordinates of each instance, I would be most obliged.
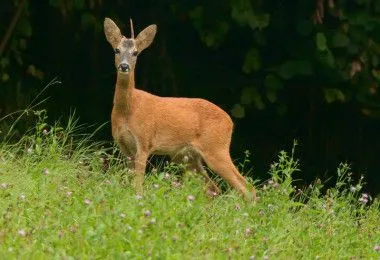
(145, 38)
(112, 32)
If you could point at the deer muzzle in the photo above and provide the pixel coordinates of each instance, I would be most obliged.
(124, 67)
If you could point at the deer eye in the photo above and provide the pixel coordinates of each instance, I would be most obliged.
(135, 53)
(117, 51)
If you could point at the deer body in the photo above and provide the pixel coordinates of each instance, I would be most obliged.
(145, 124)
(176, 125)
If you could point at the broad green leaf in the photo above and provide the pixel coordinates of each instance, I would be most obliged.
(345, 28)
(376, 74)
(375, 60)
(238, 111)
(287, 70)
(247, 95)
(340, 40)
(321, 41)
(223, 27)
(215, 35)
(4, 77)
(250, 95)
(196, 16)
(196, 13)
(333, 94)
(329, 95)
(364, 57)
(25, 27)
(4, 62)
(243, 14)
(272, 82)
(258, 21)
(252, 61)
(258, 102)
(241, 11)
(23, 44)
(340, 95)
(218, 33)
(19, 60)
(36, 73)
(208, 39)
(328, 58)
(271, 95)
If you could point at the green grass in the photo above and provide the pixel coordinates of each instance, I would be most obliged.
(61, 196)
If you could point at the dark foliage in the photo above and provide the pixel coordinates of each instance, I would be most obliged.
(308, 70)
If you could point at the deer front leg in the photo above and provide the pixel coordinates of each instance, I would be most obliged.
(211, 188)
(139, 171)
(194, 164)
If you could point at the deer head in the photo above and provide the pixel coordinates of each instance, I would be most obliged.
(127, 49)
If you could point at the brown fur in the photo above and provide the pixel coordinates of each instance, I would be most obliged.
(145, 124)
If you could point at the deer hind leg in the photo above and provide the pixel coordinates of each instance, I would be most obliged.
(221, 163)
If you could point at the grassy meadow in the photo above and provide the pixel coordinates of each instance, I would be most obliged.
(63, 196)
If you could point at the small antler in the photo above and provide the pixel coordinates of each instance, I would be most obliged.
(132, 31)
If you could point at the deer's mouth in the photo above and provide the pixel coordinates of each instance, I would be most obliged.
(124, 71)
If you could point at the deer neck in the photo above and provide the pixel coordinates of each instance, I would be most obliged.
(125, 84)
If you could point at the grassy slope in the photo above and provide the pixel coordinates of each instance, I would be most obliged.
(56, 200)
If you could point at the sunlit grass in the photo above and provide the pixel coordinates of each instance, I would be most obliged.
(62, 195)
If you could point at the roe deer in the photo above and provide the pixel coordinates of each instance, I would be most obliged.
(145, 124)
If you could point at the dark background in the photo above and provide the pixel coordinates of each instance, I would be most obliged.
(284, 70)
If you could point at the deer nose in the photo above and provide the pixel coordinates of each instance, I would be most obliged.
(124, 67)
